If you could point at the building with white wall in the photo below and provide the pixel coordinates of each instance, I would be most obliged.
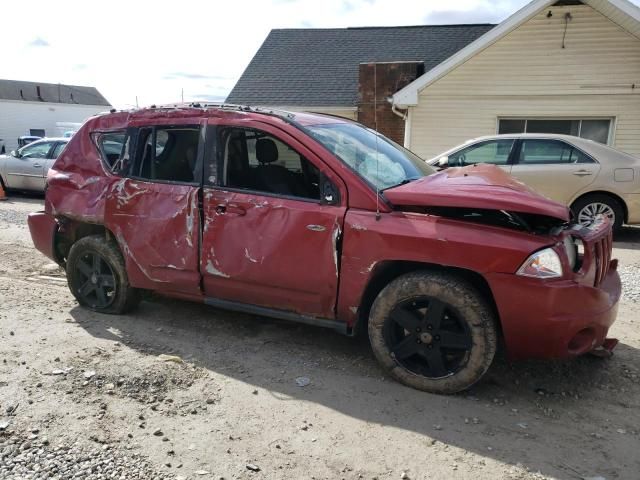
(44, 109)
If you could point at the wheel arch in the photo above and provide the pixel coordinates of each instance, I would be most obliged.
(607, 193)
(70, 231)
(387, 271)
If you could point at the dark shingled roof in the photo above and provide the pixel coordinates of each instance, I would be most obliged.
(51, 92)
(319, 67)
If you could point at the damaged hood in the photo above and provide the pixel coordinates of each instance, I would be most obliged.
(476, 186)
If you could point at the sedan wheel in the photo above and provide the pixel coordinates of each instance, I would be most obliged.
(587, 208)
(589, 212)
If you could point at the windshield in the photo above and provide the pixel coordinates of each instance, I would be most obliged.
(382, 162)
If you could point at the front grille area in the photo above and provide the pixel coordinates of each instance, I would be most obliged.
(602, 248)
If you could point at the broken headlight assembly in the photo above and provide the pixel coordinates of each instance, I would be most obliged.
(542, 264)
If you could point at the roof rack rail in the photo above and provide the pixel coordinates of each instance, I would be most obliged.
(217, 105)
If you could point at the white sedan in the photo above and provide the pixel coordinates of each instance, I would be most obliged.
(27, 167)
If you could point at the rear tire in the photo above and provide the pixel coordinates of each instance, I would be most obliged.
(97, 276)
(433, 331)
(585, 208)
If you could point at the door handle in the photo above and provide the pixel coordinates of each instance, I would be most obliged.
(582, 173)
(36, 165)
(316, 228)
(223, 208)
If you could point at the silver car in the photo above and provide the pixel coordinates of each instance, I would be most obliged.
(27, 167)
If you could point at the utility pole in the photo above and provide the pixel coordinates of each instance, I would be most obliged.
(182, 94)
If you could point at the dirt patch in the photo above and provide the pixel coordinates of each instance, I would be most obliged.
(153, 384)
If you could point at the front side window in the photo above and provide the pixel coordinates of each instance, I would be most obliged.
(597, 130)
(37, 150)
(380, 161)
(168, 154)
(257, 161)
(538, 152)
(495, 152)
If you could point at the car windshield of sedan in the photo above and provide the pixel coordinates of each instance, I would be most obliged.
(380, 161)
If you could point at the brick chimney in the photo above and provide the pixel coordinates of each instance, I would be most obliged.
(376, 82)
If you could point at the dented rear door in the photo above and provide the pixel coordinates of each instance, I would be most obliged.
(153, 212)
(270, 249)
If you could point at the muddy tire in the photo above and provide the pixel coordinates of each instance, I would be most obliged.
(433, 331)
(97, 276)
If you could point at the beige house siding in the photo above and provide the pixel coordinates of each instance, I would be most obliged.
(528, 74)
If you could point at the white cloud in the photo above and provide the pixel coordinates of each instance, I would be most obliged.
(154, 49)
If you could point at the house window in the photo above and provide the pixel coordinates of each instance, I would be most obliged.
(598, 129)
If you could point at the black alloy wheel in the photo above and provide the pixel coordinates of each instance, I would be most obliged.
(97, 276)
(96, 283)
(433, 330)
(427, 338)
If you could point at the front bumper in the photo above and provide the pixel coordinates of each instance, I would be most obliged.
(43, 228)
(555, 319)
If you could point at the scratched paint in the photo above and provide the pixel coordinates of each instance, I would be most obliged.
(189, 218)
(248, 256)
(334, 243)
(369, 269)
(358, 227)
(214, 271)
(125, 196)
(129, 254)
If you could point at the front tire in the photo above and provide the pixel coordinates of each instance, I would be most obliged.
(433, 332)
(97, 276)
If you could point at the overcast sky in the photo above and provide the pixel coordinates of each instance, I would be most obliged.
(152, 50)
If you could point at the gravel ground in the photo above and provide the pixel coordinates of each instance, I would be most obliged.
(12, 217)
(179, 390)
(35, 458)
(630, 276)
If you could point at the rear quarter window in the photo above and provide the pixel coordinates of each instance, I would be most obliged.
(114, 150)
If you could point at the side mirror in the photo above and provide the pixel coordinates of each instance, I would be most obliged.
(15, 153)
(443, 162)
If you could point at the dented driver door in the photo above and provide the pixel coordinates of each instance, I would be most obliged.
(153, 212)
(273, 217)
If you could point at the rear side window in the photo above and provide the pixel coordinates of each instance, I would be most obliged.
(168, 154)
(536, 152)
(114, 148)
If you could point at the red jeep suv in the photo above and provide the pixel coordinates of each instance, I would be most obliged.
(321, 220)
